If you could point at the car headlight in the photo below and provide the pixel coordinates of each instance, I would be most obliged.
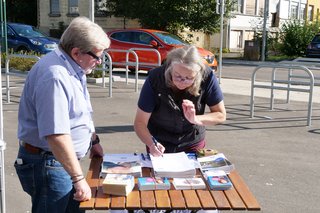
(51, 46)
(209, 59)
(35, 42)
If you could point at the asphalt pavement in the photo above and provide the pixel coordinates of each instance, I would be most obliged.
(275, 152)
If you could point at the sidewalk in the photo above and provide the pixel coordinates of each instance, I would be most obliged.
(275, 152)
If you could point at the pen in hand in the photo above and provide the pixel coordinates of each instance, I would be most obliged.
(156, 144)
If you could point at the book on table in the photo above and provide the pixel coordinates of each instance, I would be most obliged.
(118, 184)
(173, 165)
(188, 183)
(218, 180)
(121, 164)
(215, 162)
(153, 183)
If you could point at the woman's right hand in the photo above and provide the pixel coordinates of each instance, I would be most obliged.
(156, 150)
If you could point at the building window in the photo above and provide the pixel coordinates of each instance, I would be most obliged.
(73, 7)
(310, 12)
(274, 20)
(294, 11)
(238, 6)
(54, 8)
(100, 8)
(302, 12)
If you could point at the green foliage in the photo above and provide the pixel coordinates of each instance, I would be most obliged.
(296, 36)
(96, 74)
(22, 11)
(172, 16)
(21, 64)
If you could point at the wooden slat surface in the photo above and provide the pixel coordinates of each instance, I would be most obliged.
(237, 198)
(220, 200)
(93, 181)
(234, 199)
(162, 199)
(102, 200)
(177, 200)
(206, 200)
(191, 199)
(147, 200)
(244, 191)
(133, 199)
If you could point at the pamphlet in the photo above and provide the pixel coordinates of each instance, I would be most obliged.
(216, 162)
(121, 164)
(188, 183)
(153, 183)
(173, 165)
(218, 180)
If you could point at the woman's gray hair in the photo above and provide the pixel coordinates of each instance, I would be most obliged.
(85, 35)
(190, 58)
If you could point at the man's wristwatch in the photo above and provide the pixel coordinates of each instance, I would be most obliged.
(96, 141)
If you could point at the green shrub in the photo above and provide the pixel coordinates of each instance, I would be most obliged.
(295, 37)
(21, 64)
(96, 74)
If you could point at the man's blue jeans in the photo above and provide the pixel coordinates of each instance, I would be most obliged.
(46, 181)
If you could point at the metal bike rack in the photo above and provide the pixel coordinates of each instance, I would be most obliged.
(286, 84)
(8, 73)
(141, 63)
(135, 63)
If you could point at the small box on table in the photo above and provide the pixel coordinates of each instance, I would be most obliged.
(118, 184)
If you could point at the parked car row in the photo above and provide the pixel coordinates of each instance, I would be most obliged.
(126, 39)
(23, 37)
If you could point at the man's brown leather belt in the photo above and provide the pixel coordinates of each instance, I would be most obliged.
(32, 149)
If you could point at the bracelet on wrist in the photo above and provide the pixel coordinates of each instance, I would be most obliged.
(76, 176)
(76, 181)
(96, 141)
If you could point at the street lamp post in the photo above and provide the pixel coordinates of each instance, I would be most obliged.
(264, 32)
(220, 9)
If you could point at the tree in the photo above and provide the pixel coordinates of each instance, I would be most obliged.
(22, 11)
(171, 15)
(295, 37)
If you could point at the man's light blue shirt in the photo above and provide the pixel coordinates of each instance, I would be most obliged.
(55, 100)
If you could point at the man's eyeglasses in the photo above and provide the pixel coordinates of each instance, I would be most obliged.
(186, 80)
(95, 56)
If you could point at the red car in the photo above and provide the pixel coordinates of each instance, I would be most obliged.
(126, 39)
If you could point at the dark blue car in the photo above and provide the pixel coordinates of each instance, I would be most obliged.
(313, 49)
(22, 37)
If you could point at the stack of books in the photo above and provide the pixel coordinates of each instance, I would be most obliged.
(118, 184)
(173, 165)
(218, 180)
(188, 183)
(121, 164)
(215, 162)
(153, 183)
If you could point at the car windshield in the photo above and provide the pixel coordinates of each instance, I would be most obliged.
(27, 31)
(170, 38)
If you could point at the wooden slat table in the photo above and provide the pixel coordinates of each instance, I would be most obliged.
(237, 198)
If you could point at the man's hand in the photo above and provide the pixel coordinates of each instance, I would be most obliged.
(96, 150)
(83, 191)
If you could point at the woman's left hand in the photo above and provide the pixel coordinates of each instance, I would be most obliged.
(189, 111)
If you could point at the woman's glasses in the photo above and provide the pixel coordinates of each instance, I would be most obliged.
(95, 56)
(186, 80)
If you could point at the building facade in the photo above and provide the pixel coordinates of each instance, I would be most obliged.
(247, 18)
